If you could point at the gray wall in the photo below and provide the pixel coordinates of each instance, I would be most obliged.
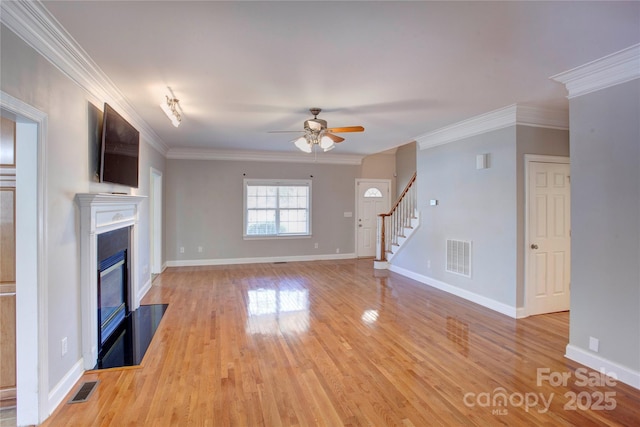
(405, 165)
(29, 77)
(484, 206)
(476, 205)
(380, 166)
(605, 206)
(204, 207)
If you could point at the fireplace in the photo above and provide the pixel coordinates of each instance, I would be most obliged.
(108, 267)
(112, 288)
(113, 279)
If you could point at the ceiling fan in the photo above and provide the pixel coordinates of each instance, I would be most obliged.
(316, 133)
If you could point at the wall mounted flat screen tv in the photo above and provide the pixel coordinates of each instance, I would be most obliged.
(120, 150)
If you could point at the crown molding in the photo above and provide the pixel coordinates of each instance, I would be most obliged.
(542, 117)
(494, 120)
(611, 70)
(263, 156)
(33, 23)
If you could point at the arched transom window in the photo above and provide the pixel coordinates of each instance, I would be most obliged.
(372, 192)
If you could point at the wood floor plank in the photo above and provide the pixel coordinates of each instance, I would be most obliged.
(335, 343)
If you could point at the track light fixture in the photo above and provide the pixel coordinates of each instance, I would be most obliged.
(171, 108)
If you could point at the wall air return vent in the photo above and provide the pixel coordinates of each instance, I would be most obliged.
(459, 257)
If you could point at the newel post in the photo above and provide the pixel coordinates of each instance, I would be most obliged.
(381, 254)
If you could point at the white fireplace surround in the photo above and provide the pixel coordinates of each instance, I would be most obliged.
(100, 213)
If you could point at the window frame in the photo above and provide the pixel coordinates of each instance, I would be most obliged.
(248, 182)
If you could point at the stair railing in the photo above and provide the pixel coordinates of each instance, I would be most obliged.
(391, 225)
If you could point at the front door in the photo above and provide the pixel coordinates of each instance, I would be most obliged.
(549, 238)
(373, 199)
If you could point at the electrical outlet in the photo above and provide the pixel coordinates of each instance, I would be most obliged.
(428, 263)
(63, 346)
(338, 250)
(594, 344)
(181, 249)
(145, 269)
(200, 249)
(315, 246)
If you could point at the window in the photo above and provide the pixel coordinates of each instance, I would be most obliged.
(372, 192)
(277, 208)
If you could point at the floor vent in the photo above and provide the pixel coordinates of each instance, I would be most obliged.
(83, 394)
(459, 257)
(279, 262)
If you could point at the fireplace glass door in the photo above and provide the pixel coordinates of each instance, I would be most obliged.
(112, 292)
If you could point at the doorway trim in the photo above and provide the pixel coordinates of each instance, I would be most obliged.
(528, 159)
(32, 375)
(155, 210)
(357, 205)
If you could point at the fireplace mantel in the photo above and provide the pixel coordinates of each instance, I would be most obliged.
(100, 213)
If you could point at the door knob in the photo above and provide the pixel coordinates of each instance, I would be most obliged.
(534, 246)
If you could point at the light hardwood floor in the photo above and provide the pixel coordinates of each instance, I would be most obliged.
(334, 343)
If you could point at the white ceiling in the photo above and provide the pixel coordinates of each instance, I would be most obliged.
(400, 69)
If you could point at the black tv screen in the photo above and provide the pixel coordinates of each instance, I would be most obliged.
(120, 150)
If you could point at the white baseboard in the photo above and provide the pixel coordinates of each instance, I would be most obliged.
(598, 363)
(143, 290)
(258, 260)
(381, 265)
(462, 293)
(58, 393)
(521, 313)
(164, 267)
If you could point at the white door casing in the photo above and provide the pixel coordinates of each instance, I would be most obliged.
(155, 204)
(32, 373)
(372, 198)
(548, 241)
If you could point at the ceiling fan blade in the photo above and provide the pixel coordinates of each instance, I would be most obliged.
(346, 129)
(334, 138)
(285, 131)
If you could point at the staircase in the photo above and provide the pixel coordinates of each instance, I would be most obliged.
(396, 226)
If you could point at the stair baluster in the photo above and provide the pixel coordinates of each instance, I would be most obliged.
(391, 225)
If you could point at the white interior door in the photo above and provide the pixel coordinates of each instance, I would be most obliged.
(373, 199)
(549, 238)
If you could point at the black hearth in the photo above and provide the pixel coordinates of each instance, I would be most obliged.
(128, 345)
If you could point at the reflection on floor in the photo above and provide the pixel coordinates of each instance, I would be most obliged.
(8, 417)
(130, 341)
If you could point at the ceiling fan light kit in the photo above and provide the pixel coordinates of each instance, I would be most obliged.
(316, 133)
(303, 144)
(326, 143)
